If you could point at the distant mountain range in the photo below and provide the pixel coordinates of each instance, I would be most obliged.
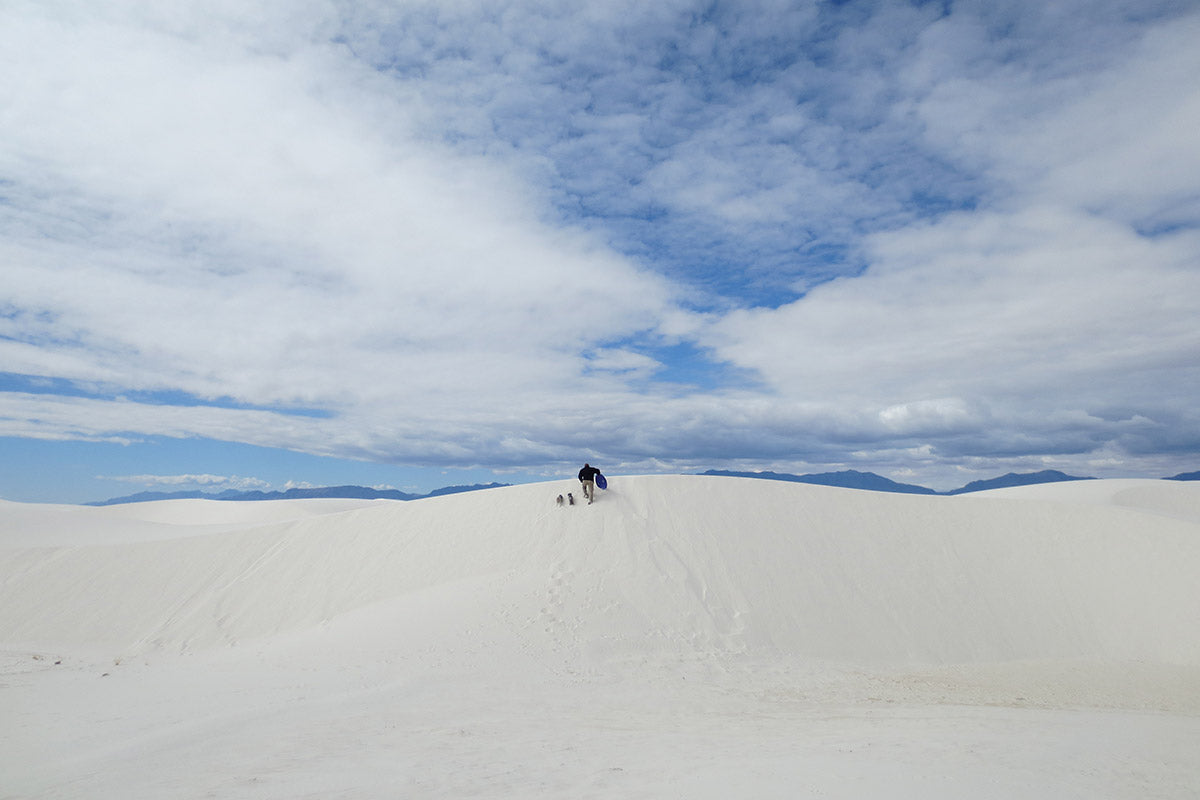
(850, 479)
(358, 492)
(1015, 479)
(846, 479)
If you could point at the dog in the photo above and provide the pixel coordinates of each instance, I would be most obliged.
(570, 498)
(559, 500)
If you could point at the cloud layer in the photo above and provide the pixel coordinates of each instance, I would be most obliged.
(463, 235)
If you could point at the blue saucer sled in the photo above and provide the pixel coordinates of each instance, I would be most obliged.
(601, 481)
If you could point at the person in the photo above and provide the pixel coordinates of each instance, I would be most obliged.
(587, 476)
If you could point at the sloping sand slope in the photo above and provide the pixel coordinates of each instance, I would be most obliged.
(683, 636)
(691, 563)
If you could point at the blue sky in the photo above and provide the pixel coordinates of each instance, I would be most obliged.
(411, 244)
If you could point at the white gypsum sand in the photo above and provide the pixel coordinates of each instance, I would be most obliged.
(695, 637)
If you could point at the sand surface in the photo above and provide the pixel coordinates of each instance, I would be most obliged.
(682, 637)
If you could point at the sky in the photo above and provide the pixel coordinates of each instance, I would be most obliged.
(275, 243)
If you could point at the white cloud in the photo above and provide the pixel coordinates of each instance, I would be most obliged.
(267, 227)
(1004, 313)
(207, 481)
(1104, 125)
(625, 362)
(409, 222)
(1046, 320)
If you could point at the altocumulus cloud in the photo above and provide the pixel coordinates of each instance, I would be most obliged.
(885, 234)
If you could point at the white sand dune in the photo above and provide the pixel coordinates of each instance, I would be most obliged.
(684, 636)
(42, 525)
(1168, 498)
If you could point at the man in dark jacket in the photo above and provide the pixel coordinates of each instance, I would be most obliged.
(587, 476)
